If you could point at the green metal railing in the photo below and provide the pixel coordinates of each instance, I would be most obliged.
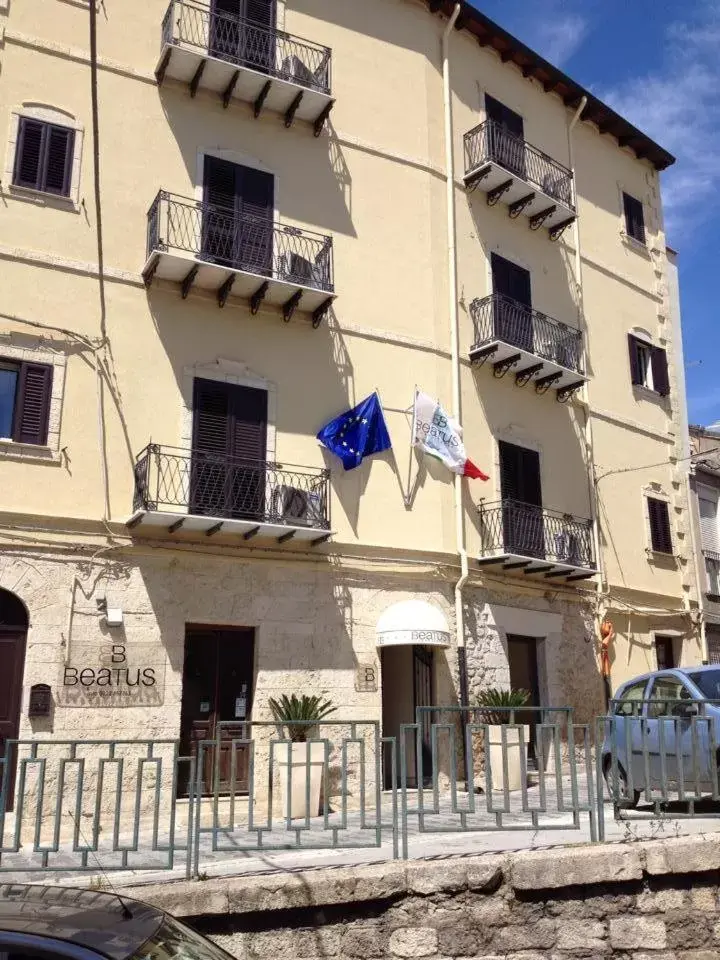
(97, 806)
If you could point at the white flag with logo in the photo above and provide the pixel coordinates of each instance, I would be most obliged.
(439, 435)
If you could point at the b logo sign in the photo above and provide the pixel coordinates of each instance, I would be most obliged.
(366, 678)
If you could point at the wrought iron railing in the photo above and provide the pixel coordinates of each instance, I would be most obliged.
(233, 488)
(253, 244)
(510, 526)
(248, 44)
(490, 141)
(498, 317)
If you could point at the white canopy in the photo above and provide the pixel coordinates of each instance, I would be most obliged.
(414, 622)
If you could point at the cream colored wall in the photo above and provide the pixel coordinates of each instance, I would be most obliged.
(376, 185)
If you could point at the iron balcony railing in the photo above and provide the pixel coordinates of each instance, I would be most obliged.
(490, 141)
(246, 43)
(232, 488)
(513, 527)
(498, 317)
(240, 241)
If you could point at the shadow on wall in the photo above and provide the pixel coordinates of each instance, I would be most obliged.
(314, 180)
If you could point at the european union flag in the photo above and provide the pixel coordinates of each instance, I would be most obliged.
(357, 433)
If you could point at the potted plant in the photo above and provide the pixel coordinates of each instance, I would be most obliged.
(498, 708)
(301, 761)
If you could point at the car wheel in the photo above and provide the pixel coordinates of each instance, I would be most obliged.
(624, 799)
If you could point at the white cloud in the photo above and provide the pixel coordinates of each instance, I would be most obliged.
(557, 38)
(678, 105)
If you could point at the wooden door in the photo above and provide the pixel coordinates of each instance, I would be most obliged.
(506, 134)
(238, 214)
(513, 309)
(523, 528)
(523, 661)
(228, 471)
(216, 703)
(12, 662)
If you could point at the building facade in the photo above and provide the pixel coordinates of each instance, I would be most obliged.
(226, 223)
(705, 490)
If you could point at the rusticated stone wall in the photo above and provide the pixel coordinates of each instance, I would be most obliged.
(647, 901)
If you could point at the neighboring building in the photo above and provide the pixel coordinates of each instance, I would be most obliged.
(705, 486)
(273, 249)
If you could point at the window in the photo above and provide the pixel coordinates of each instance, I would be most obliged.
(634, 218)
(664, 694)
(660, 535)
(648, 366)
(665, 653)
(709, 537)
(707, 682)
(43, 157)
(25, 390)
(630, 702)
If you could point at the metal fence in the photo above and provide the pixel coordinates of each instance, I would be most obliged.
(498, 317)
(95, 806)
(490, 141)
(512, 527)
(246, 43)
(240, 241)
(659, 759)
(231, 487)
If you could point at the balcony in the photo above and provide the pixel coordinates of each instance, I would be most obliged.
(539, 349)
(530, 182)
(187, 491)
(243, 60)
(213, 248)
(534, 541)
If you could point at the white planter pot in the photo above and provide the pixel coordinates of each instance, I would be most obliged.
(513, 747)
(295, 757)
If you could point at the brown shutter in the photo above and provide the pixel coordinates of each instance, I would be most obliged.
(634, 217)
(33, 403)
(28, 153)
(661, 381)
(58, 160)
(211, 419)
(635, 371)
(660, 534)
(249, 424)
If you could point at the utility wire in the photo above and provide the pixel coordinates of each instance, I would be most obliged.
(648, 466)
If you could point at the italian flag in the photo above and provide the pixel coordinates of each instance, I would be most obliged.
(440, 436)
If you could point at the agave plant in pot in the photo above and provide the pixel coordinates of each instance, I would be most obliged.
(498, 708)
(301, 764)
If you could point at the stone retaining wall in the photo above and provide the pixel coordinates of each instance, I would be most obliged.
(657, 900)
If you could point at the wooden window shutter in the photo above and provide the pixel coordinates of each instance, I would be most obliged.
(261, 11)
(249, 423)
(60, 142)
(32, 413)
(211, 409)
(661, 381)
(634, 217)
(28, 153)
(660, 533)
(635, 369)
(520, 474)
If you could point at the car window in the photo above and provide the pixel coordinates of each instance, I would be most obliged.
(630, 701)
(175, 941)
(708, 682)
(664, 691)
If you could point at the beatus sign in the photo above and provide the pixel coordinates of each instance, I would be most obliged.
(113, 675)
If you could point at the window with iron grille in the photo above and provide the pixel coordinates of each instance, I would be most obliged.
(660, 533)
(634, 218)
(44, 157)
(25, 392)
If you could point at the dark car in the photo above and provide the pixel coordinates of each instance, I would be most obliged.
(44, 923)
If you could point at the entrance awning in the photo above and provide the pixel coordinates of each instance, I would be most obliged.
(413, 622)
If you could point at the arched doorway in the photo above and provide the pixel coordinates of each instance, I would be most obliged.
(13, 634)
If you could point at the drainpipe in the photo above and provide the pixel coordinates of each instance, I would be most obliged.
(455, 352)
(587, 431)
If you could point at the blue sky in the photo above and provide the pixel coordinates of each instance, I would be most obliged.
(657, 62)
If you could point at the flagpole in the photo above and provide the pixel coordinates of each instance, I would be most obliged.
(412, 445)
